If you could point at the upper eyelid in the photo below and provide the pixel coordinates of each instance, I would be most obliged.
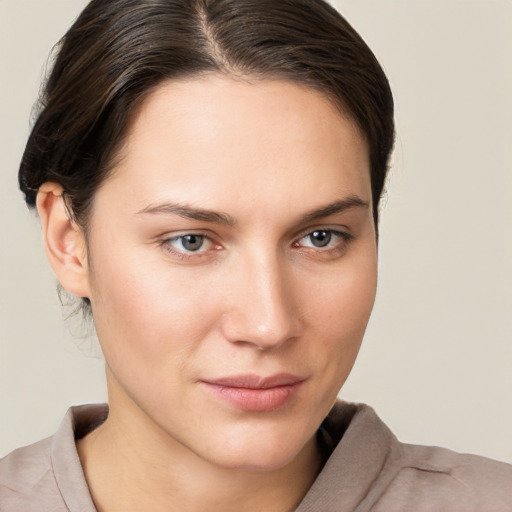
(183, 235)
(336, 232)
(341, 230)
(198, 232)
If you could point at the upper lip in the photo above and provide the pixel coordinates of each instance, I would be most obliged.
(253, 381)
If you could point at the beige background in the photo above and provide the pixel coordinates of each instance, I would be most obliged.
(437, 360)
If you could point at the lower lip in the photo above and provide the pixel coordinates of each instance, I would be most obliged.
(255, 400)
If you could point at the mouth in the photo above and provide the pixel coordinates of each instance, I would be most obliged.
(254, 393)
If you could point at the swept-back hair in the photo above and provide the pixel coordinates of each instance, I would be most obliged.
(118, 51)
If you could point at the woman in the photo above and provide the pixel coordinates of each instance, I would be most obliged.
(208, 175)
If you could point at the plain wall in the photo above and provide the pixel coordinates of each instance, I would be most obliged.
(437, 360)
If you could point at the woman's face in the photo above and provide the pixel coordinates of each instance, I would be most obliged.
(232, 267)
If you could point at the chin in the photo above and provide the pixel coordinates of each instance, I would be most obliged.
(262, 453)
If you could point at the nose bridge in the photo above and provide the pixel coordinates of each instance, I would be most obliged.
(263, 311)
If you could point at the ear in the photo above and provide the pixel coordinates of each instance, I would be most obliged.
(64, 241)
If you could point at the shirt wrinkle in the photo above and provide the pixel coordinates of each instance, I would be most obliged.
(429, 469)
(57, 482)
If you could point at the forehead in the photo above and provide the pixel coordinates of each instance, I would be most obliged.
(212, 138)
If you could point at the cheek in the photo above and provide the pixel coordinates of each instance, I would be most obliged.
(343, 303)
(340, 311)
(142, 312)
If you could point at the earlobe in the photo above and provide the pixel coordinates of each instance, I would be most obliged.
(64, 241)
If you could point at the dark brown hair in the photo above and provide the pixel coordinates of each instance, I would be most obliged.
(118, 51)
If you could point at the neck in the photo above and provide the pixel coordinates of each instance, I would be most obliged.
(130, 464)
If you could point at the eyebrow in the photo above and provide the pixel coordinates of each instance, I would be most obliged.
(189, 212)
(334, 208)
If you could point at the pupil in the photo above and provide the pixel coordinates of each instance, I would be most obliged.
(192, 242)
(320, 238)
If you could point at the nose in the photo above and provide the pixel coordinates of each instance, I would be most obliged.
(264, 308)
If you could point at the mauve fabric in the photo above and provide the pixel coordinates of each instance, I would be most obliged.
(367, 469)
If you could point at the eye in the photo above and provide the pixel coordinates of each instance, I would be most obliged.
(323, 239)
(319, 238)
(188, 243)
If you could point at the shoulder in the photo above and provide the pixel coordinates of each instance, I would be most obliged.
(47, 476)
(433, 478)
(368, 469)
(27, 479)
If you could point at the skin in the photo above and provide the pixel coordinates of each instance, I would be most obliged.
(259, 296)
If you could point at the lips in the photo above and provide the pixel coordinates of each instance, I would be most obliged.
(254, 393)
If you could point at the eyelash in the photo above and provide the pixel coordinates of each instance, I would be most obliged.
(339, 246)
